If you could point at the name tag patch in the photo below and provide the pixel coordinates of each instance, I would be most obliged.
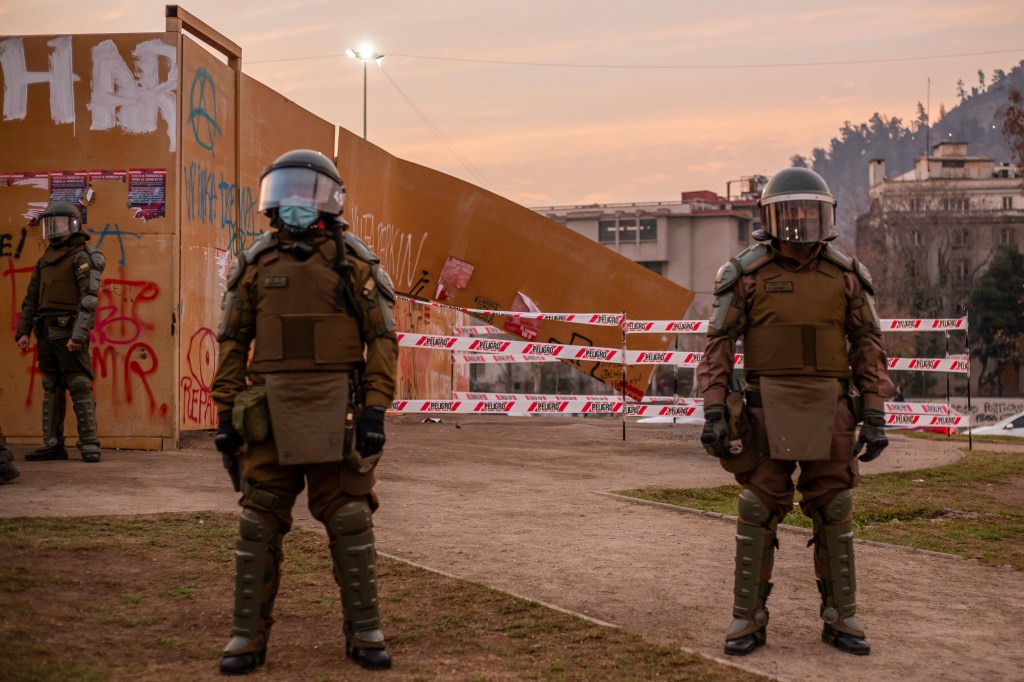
(776, 287)
(275, 282)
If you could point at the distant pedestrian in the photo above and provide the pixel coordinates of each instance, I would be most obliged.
(898, 398)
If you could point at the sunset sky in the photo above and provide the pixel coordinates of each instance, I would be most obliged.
(581, 101)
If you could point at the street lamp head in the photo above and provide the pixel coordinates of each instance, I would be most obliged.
(365, 53)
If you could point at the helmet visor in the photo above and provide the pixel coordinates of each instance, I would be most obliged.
(301, 187)
(799, 220)
(58, 226)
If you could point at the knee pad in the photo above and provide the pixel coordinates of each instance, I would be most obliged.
(49, 384)
(350, 519)
(78, 385)
(752, 509)
(839, 508)
(253, 528)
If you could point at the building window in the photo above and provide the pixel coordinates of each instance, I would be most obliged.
(606, 231)
(648, 229)
(1007, 203)
(741, 232)
(962, 271)
(915, 237)
(960, 237)
(655, 266)
(915, 205)
(953, 164)
(1006, 237)
(955, 204)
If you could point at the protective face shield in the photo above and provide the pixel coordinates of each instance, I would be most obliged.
(301, 185)
(798, 207)
(799, 220)
(61, 219)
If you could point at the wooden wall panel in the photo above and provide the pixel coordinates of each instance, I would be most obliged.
(92, 109)
(417, 219)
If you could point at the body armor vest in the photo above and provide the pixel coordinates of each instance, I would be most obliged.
(58, 287)
(796, 322)
(297, 326)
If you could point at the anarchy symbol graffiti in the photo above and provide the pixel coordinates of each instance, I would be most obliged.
(202, 115)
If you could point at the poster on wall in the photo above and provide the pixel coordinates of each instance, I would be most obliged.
(146, 192)
(70, 186)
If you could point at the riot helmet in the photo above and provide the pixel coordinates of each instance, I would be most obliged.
(61, 219)
(298, 187)
(797, 206)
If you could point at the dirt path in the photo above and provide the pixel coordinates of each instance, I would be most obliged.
(521, 505)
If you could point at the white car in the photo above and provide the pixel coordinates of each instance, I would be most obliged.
(1011, 426)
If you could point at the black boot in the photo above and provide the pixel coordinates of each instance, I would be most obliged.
(243, 664)
(47, 452)
(857, 646)
(371, 659)
(8, 472)
(746, 644)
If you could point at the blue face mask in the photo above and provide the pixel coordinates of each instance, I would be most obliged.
(297, 216)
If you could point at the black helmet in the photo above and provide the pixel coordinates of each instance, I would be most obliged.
(60, 219)
(797, 206)
(299, 186)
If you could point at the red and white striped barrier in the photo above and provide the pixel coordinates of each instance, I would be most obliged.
(916, 421)
(605, 405)
(599, 319)
(480, 329)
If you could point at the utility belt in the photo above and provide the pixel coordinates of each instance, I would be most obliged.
(752, 394)
(55, 325)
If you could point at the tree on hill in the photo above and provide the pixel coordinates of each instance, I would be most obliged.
(997, 317)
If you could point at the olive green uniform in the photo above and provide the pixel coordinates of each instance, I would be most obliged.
(810, 333)
(314, 364)
(60, 304)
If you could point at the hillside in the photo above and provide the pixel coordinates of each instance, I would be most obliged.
(976, 119)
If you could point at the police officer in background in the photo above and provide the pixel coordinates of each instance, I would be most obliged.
(814, 366)
(60, 307)
(309, 409)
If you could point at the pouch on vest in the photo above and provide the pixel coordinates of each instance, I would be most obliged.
(799, 415)
(744, 450)
(307, 414)
(59, 328)
(250, 415)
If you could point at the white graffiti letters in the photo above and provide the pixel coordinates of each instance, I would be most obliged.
(132, 103)
(17, 78)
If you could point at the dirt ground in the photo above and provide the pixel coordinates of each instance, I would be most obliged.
(521, 504)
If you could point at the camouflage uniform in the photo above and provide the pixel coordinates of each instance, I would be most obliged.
(296, 404)
(60, 304)
(811, 341)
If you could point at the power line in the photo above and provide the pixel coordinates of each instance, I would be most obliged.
(663, 67)
(437, 132)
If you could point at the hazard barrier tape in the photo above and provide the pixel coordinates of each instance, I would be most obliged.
(485, 329)
(928, 409)
(600, 319)
(614, 406)
(480, 358)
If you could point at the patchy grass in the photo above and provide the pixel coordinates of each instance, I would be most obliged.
(150, 598)
(973, 508)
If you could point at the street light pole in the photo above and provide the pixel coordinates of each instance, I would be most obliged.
(365, 54)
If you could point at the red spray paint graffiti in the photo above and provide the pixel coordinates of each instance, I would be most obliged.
(197, 407)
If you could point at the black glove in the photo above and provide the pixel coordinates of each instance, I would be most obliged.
(872, 434)
(228, 440)
(715, 436)
(370, 431)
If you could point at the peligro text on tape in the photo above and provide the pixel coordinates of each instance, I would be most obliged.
(598, 319)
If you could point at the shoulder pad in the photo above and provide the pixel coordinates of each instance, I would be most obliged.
(836, 256)
(384, 284)
(864, 276)
(754, 257)
(359, 249)
(96, 256)
(266, 241)
(727, 276)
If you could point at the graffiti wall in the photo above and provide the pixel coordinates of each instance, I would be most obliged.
(93, 120)
(448, 240)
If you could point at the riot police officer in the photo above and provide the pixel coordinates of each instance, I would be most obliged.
(814, 366)
(309, 409)
(60, 307)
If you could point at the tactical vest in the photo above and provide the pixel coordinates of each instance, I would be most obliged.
(58, 287)
(796, 322)
(297, 327)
